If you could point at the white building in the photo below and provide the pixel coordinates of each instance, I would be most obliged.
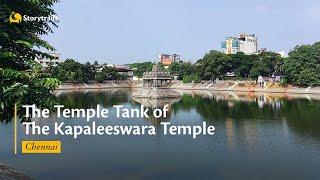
(45, 62)
(121, 69)
(246, 43)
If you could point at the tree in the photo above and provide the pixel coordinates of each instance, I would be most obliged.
(241, 64)
(140, 68)
(69, 70)
(259, 68)
(89, 72)
(21, 79)
(191, 78)
(271, 60)
(251, 66)
(302, 67)
(214, 64)
(174, 68)
(100, 77)
(109, 73)
(181, 69)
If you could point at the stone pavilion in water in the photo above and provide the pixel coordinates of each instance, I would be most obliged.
(156, 84)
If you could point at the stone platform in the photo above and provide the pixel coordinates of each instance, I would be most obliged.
(155, 93)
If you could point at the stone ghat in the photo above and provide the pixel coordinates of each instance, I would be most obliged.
(155, 93)
(245, 86)
(236, 86)
(10, 173)
(94, 85)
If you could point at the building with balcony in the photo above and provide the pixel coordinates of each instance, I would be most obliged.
(246, 43)
(46, 62)
(167, 59)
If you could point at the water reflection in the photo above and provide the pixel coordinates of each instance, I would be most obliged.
(267, 131)
(90, 98)
(300, 111)
(153, 104)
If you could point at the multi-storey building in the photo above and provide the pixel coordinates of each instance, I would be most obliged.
(45, 62)
(167, 59)
(246, 43)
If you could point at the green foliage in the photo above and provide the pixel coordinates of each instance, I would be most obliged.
(302, 67)
(241, 64)
(100, 77)
(89, 72)
(266, 64)
(259, 68)
(24, 88)
(21, 79)
(191, 78)
(140, 68)
(181, 69)
(70, 70)
(213, 65)
(174, 68)
(109, 73)
(216, 64)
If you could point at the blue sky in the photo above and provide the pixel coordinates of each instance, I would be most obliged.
(126, 31)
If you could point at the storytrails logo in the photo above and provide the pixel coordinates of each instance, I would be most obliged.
(60, 128)
(17, 18)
